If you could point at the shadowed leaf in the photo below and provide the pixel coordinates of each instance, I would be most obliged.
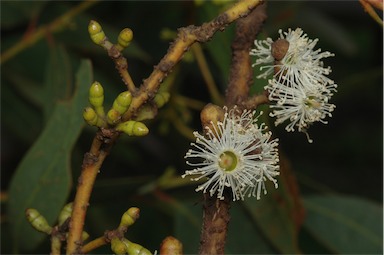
(42, 179)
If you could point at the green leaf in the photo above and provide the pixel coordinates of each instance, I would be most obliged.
(187, 224)
(58, 79)
(279, 213)
(244, 237)
(345, 224)
(43, 178)
(274, 221)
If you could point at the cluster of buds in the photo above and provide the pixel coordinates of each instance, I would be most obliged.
(98, 36)
(95, 115)
(121, 245)
(40, 223)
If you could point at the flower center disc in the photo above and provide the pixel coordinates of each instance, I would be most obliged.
(228, 161)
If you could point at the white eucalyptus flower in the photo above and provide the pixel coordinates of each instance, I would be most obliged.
(300, 88)
(302, 105)
(301, 61)
(236, 153)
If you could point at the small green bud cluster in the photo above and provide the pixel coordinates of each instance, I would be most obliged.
(95, 115)
(98, 36)
(40, 223)
(123, 245)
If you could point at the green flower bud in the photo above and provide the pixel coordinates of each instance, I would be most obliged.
(113, 116)
(117, 246)
(96, 32)
(122, 102)
(133, 128)
(65, 213)
(135, 249)
(38, 221)
(161, 99)
(129, 217)
(124, 39)
(90, 116)
(96, 94)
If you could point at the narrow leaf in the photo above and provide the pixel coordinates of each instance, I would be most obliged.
(42, 179)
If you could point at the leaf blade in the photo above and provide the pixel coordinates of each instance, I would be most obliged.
(42, 179)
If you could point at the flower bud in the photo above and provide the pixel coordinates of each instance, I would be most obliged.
(38, 221)
(96, 95)
(161, 99)
(133, 128)
(96, 32)
(129, 217)
(279, 49)
(124, 39)
(90, 116)
(113, 116)
(171, 245)
(117, 246)
(135, 249)
(210, 115)
(122, 102)
(65, 213)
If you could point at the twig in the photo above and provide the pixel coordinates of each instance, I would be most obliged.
(54, 26)
(186, 37)
(94, 244)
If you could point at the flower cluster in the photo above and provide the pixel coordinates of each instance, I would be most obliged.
(300, 87)
(235, 153)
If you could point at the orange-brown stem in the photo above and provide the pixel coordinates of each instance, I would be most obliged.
(92, 162)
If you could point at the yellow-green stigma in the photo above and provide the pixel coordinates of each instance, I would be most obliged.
(228, 161)
(312, 101)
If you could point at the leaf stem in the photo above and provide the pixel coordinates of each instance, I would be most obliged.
(210, 82)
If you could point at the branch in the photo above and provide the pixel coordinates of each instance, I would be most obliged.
(241, 73)
(185, 38)
(215, 211)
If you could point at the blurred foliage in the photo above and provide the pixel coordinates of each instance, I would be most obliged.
(43, 137)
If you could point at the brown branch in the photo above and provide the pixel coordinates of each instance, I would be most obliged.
(241, 73)
(215, 222)
(216, 212)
